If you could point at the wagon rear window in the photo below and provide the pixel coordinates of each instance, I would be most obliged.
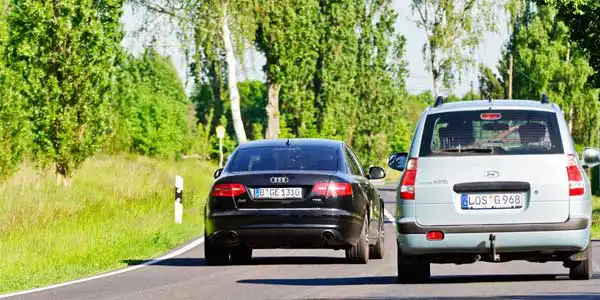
(491, 132)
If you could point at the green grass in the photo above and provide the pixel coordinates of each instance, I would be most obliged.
(119, 208)
(596, 218)
(391, 175)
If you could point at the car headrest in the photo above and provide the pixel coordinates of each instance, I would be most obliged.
(532, 132)
(455, 134)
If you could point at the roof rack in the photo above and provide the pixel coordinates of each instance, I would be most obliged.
(544, 99)
(439, 101)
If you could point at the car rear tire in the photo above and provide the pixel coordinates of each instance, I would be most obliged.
(377, 251)
(412, 270)
(582, 270)
(359, 253)
(241, 255)
(215, 256)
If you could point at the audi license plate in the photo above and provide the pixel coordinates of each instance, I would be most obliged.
(278, 193)
(492, 201)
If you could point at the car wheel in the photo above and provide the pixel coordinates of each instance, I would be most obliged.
(582, 270)
(241, 255)
(377, 251)
(411, 269)
(215, 256)
(359, 253)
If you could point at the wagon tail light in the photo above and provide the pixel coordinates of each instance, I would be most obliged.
(576, 186)
(407, 187)
(332, 189)
(228, 190)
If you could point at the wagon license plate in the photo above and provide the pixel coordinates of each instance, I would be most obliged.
(278, 193)
(492, 201)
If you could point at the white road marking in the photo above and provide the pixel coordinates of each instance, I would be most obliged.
(389, 216)
(195, 243)
(178, 252)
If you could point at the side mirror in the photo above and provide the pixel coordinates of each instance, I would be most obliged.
(397, 161)
(376, 173)
(591, 157)
(218, 173)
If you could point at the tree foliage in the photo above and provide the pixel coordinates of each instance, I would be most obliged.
(581, 16)
(288, 36)
(547, 61)
(65, 53)
(340, 71)
(454, 30)
(153, 112)
(253, 99)
(13, 128)
(491, 86)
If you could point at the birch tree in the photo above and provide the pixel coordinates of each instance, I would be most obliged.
(454, 30)
(217, 32)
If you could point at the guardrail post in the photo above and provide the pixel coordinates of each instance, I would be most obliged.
(178, 199)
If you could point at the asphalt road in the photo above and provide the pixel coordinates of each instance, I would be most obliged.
(322, 274)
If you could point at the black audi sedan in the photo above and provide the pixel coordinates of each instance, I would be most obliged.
(294, 194)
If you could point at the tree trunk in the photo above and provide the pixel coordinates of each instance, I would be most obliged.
(234, 95)
(436, 86)
(61, 176)
(435, 72)
(571, 114)
(273, 111)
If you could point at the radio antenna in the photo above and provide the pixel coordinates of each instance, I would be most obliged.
(287, 143)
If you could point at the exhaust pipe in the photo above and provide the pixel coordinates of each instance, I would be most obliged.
(233, 236)
(327, 235)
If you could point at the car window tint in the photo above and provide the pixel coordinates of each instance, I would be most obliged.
(491, 132)
(352, 164)
(285, 158)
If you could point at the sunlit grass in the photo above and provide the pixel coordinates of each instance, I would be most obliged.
(392, 175)
(596, 218)
(119, 208)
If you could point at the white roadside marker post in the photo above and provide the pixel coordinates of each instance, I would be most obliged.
(178, 199)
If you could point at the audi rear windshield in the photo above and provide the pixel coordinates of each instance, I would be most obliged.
(491, 132)
(295, 158)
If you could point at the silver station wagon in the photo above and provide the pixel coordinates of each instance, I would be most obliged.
(494, 181)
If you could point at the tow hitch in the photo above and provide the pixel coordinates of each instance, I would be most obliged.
(495, 256)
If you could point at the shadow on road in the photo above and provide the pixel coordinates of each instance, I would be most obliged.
(199, 262)
(524, 297)
(298, 260)
(379, 280)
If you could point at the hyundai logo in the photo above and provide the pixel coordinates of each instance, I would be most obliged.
(279, 180)
(491, 174)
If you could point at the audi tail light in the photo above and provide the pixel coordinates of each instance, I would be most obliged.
(228, 190)
(332, 189)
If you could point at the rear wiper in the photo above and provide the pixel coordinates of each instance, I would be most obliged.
(468, 149)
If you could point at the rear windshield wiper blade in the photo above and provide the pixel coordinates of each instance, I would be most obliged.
(468, 149)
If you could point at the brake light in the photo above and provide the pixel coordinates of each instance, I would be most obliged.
(407, 187)
(332, 189)
(491, 116)
(228, 190)
(435, 235)
(576, 186)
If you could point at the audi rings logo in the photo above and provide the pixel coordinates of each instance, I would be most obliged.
(279, 180)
